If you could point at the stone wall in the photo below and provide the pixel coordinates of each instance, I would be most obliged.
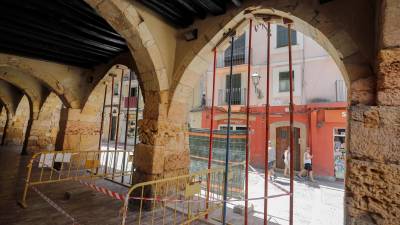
(45, 128)
(18, 123)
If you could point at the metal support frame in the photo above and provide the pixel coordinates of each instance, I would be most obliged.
(210, 151)
(267, 125)
(246, 193)
(118, 115)
(232, 34)
(102, 116)
(126, 124)
(109, 122)
(136, 125)
(291, 109)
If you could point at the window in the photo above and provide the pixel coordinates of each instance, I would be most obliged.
(284, 82)
(282, 36)
(116, 88)
(236, 95)
(133, 92)
(239, 52)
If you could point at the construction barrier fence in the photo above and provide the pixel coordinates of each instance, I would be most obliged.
(58, 166)
(182, 199)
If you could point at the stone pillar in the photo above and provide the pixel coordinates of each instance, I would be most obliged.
(81, 128)
(3, 125)
(45, 128)
(18, 123)
(373, 161)
(164, 143)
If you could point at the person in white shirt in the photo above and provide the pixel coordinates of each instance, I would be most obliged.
(286, 160)
(307, 170)
(271, 161)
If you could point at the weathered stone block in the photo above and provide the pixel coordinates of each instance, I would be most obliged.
(375, 133)
(388, 77)
(372, 192)
(363, 91)
(174, 160)
(149, 159)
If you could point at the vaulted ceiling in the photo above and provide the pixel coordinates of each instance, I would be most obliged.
(182, 13)
(64, 31)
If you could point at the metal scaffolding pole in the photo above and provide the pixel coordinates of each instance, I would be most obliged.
(232, 35)
(267, 125)
(117, 132)
(291, 133)
(126, 125)
(211, 128)
(102, 116)
(110, 121)
(246, 194)
(136, 126)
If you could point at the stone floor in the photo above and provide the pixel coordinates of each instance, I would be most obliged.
(315, 203)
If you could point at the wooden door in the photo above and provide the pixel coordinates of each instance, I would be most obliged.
(282, 143)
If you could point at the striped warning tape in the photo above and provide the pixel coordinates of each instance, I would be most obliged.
(122, 197)
(105, 191)
(54, 205)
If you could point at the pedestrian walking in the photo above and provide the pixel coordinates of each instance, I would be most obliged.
(307, 170)
(286, 160)
(271, 161)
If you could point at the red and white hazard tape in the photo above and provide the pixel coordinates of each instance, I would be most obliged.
(54, 205)
(105, 191)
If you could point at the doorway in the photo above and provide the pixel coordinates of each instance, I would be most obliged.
(283, 142)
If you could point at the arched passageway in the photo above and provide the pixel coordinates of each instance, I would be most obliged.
(170, 56)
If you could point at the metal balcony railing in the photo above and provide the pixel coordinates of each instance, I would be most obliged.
(240, 56)
(238, 96)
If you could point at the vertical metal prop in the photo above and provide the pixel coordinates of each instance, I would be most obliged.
(110, 122)
(210, 152)
(136, 123)
(102, 122)
(117, 132)
(126, 125)
(291, 108)
(267, 126)
(232, 34)
(246, 193)
(102, 116)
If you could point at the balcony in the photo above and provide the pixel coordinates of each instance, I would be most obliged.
(239, 57)
(130, 101)
(238, 96)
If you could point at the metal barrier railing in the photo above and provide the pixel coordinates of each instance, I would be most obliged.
(182, 199)
(59, 166)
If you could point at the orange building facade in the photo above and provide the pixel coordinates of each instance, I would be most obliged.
(315, 127)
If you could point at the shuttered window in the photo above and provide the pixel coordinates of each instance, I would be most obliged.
(282, 36)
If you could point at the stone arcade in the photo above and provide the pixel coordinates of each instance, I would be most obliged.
(51, 90)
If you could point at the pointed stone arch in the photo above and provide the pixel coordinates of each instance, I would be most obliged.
(33, 88)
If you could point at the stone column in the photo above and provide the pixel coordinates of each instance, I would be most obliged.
(373, 161)
(164, 143)
(17, 123)
(46, 126)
